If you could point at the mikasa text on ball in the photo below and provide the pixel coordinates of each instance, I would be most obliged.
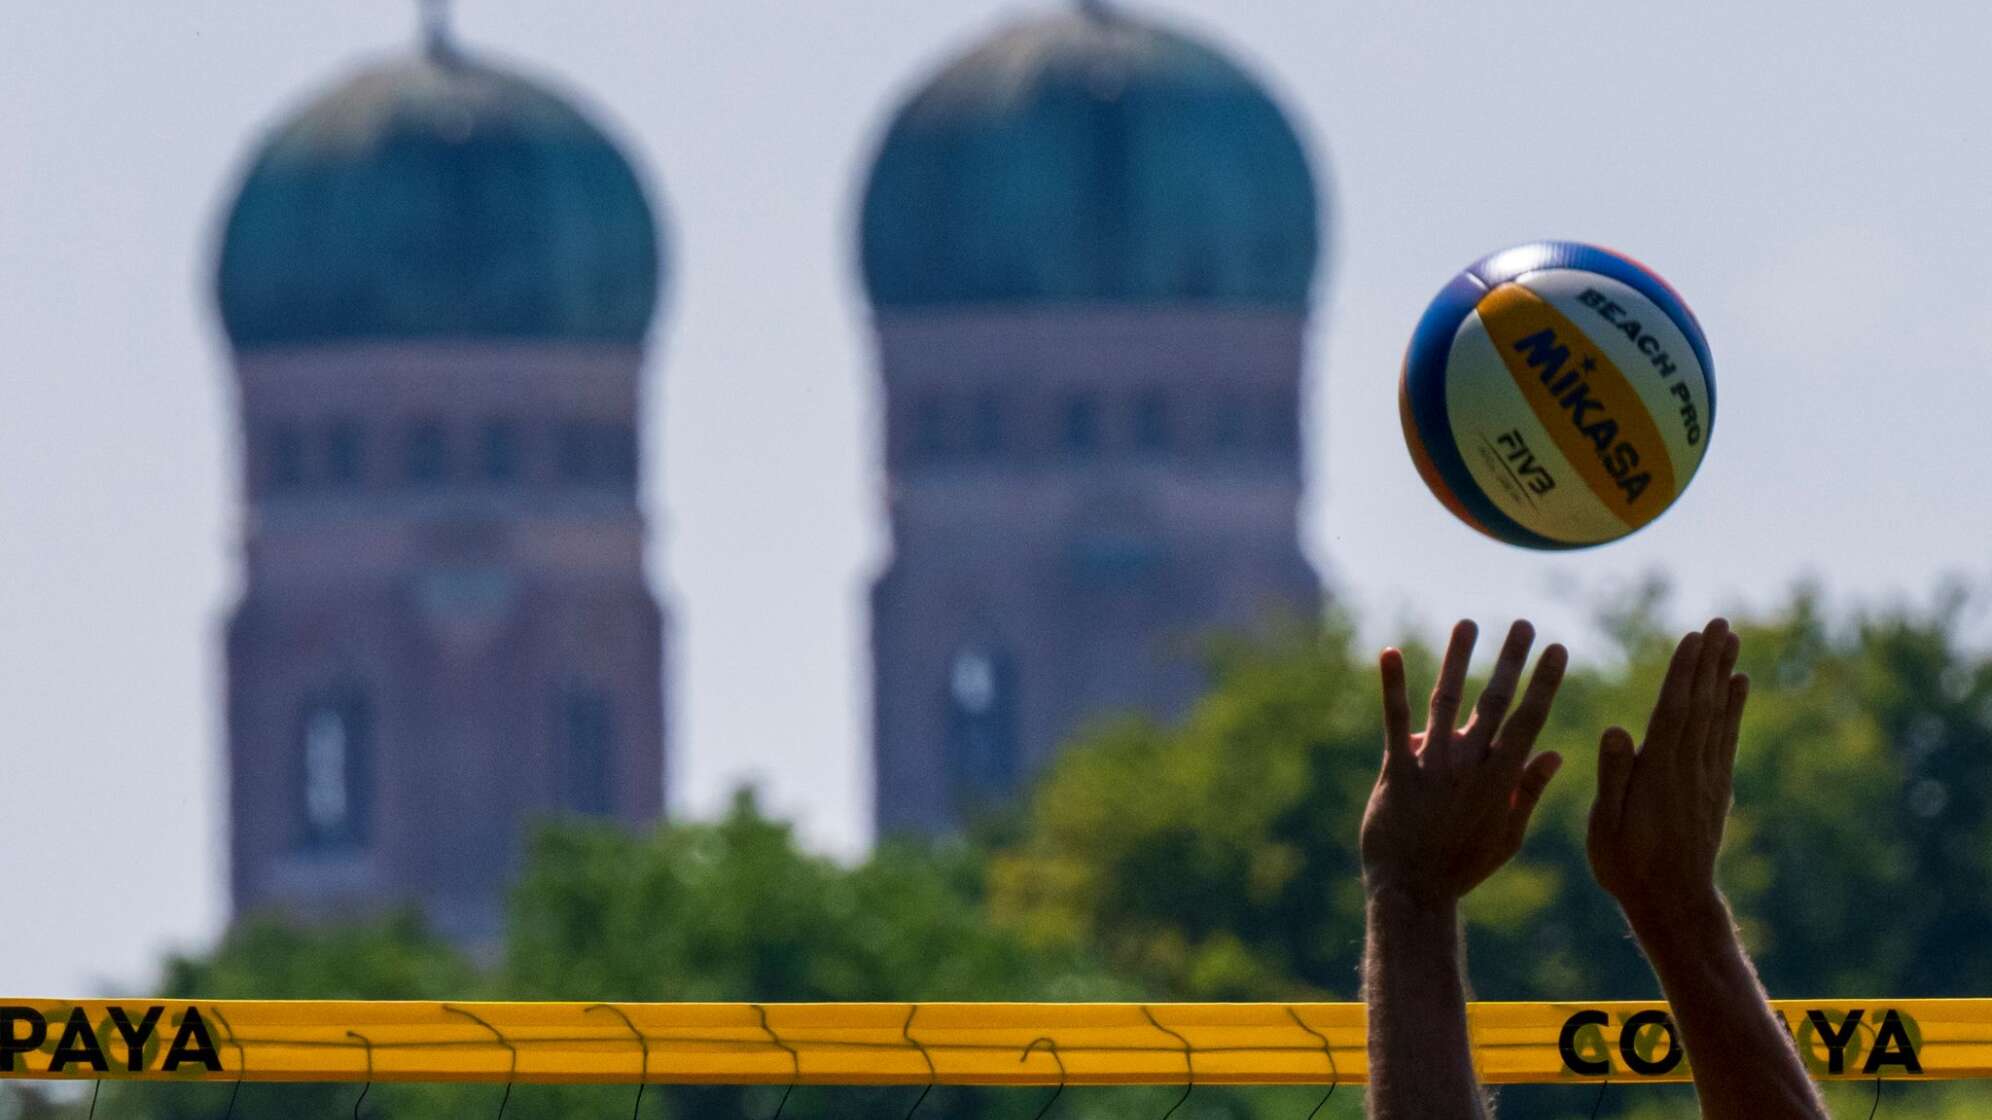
(1557, 395)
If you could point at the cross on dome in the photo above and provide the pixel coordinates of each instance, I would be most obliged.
(435, 26)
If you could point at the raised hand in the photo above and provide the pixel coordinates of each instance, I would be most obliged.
(1451, 805)
(1655, 832)
(1657, 824)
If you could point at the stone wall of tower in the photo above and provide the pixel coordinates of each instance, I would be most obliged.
(445, 632)
(1078, 497)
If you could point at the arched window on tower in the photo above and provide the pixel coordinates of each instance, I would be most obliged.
(286, 456)
(929, 440)
(1230, 422)
(623, 459)
(1081, 429)
(1151, 422)
(1283, 422)
(985, 424)
(982, 762)
(499, 450)
(575, 461)
(334, 753)
(427, 457)
(598, 454)
(343, 465)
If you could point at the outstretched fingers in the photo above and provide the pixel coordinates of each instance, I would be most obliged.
(1518, 734)
(1709, 748)
(1528, 793)
(1732, 724)
(1709, 691)
(1670, 711)
(1732, 647)
(1492, 706)
(1616, 755)
(1396, 711)
(1447, 695)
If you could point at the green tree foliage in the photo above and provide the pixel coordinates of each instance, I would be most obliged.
(1215, 859)
(392, 958)
(263, 959)
(734, 911)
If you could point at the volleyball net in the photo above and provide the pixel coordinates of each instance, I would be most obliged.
(1016, 1044)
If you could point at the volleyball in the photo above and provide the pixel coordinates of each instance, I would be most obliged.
(1557, 395)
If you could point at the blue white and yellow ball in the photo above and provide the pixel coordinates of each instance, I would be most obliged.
(1557, 395)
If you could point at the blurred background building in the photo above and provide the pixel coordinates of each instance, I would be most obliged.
(1089, 243)
(437, 279)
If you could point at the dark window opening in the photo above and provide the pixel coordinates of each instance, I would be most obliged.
(334, 754)
(1151, 422)
(1230, 422)
(985, 427)
(286, 456)
(1081, 435)
(574, 451)
(598, 454)
(982, 752)
(500, 451)
(342, 453)
(1283, 423)
(623, 461)
(427, 460)
(586, 721)
(930, 428)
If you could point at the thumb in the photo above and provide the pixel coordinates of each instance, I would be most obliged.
(1615, 758)
(1528, 792)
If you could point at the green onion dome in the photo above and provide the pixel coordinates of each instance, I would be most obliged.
(1085, 157)
(438, 197)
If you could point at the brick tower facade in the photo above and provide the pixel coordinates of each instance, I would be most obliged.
(1090, 245)
(437, 281)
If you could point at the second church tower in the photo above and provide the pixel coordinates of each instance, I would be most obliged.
(1090, 245)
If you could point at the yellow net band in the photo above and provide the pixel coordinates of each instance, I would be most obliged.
(920, 1043)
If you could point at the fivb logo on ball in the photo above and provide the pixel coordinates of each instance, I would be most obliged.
(1557, 395)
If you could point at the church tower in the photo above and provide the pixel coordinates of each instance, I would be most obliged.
(1090, 244)
(437, 280)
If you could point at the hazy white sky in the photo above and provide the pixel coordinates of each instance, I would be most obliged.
(1812, 176)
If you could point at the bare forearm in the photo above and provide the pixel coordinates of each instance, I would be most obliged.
(1420, 1058)
(1745, 1065)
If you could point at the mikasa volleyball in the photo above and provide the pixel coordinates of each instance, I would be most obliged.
(1557, 395)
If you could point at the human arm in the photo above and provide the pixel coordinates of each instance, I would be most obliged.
(1655, 831)
(1448, 809)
